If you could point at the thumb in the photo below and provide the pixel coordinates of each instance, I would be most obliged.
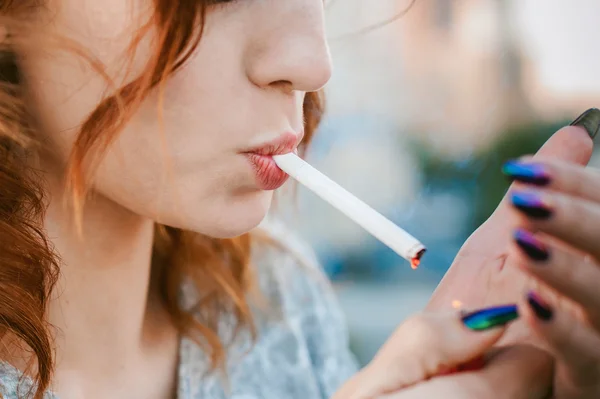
(427, 345)
(573, 143)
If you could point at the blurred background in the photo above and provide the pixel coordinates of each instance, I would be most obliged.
(422, 112)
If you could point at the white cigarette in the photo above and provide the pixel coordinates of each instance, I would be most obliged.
(372, 221)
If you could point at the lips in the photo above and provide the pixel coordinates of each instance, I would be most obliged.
(268, 175)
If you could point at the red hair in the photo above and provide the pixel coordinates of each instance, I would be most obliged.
(219, 268)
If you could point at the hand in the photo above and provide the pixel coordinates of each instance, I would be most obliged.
(557, 244)
(489, 269)
(482, 273)
(519, 372)
(430, 346)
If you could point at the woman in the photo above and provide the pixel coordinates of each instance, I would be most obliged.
(136, 138)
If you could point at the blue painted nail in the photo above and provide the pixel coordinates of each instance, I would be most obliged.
(531, 204)
(530, 173)
(488, 318)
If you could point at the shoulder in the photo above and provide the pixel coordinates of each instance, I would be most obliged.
(9, 381)
(290, 274)
(14, 384)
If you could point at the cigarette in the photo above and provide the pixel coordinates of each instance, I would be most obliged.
(372, 221)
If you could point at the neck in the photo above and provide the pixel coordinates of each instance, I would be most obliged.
(101, 309)
(101, 299)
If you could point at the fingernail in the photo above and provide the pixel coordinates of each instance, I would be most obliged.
(530, 173)
(589, 120)
(531, 246)
(531, 204)
(541, 309)
(488, 318)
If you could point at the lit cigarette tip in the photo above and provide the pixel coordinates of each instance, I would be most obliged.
(416, 261)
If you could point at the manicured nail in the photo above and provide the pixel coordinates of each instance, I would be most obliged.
(531, 204)
(541, 309)
(589, 120)
(530, 173)
(488, 318)
(531, 246)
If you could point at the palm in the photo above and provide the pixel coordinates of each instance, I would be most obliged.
(483, 272)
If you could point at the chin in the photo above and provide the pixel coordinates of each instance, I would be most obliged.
(235, 216)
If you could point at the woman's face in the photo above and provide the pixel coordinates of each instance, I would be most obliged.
(243, 89)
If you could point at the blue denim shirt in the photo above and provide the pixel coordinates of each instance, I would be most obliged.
(301, 351)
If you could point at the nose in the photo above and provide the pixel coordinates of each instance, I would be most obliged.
(289, 48)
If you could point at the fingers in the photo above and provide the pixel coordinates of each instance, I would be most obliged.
(556, 242)
(557, 169)
(568, 272)
(553, 175)
(519, 372)
(427, 345)
(571, 144)
(576, 346)
(572, 220)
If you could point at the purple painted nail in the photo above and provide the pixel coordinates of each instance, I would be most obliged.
(541, 309)
(531, 246)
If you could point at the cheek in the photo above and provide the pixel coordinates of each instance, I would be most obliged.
(85, 60)
(143, 173)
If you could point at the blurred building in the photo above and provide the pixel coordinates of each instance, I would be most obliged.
(475, 67)
(463, 65)
(559, 39)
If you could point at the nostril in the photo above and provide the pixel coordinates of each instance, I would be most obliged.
(284, 85)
